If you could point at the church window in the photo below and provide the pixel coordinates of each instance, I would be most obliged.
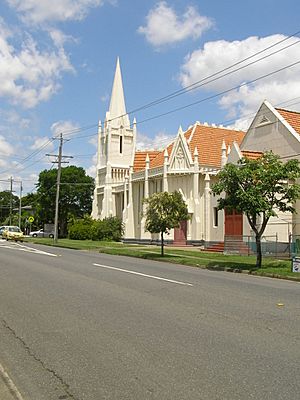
(121, 144)
(216, 216)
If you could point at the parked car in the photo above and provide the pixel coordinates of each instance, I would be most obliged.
(41, 233)
(2, 228)
(12, 233)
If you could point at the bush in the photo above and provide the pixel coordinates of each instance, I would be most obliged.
(80, 230)
(110, 228)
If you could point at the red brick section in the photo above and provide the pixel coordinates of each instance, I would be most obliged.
(140, 159)
(291, 117)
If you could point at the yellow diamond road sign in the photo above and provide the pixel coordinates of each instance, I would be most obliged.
(31, 219)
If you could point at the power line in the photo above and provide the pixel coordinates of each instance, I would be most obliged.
(193, 86)
(220, 93)
(205, 81)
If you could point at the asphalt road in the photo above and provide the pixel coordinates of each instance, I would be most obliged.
(80, 325)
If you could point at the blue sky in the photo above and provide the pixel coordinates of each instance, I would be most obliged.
(57, 62)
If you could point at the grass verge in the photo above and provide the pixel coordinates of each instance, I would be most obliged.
(193, 257)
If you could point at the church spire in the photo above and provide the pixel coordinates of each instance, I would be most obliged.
(117, 109)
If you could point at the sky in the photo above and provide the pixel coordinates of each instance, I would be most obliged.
(216, 60)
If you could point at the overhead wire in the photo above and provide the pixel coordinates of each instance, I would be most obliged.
(184, 90)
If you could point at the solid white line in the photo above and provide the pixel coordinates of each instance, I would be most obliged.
(145, 275)
(22, 247)
(10, 385)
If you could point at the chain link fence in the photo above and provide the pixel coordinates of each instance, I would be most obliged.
(271, 247)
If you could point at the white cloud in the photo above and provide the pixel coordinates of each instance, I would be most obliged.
(29, 75)
(165, 27)
(42, 142)
(59, 38)
(6, 149)
(67, 128)
(216, 56)
(158, 142)
(41, 11)
(11, 120)
(92, 169)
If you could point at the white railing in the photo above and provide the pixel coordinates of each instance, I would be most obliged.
(118, 175)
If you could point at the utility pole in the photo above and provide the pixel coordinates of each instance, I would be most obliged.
(20, 204)
(59, 162)
(10, 202)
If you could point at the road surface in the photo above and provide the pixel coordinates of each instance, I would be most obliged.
(86, 326)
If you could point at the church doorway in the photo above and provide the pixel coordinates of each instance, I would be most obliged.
(233, 223)
(180, 234)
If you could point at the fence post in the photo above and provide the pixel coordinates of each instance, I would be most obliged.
(290, 245)
(248, 238)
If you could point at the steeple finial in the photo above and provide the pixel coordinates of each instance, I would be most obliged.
(117, 102)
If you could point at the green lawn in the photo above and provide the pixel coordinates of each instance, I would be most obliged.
(192, 257)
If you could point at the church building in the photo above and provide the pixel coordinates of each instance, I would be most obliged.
(126, 176)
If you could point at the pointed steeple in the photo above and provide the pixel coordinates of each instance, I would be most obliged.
(117, 109)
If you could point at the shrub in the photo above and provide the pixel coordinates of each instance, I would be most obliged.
(110, 228)
(80, 230)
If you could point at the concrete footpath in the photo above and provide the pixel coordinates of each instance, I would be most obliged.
(8, 390)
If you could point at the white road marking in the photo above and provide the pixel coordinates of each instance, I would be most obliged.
(145, 275)
(11, 387)
(22, 247)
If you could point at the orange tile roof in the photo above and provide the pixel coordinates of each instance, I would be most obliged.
(158, 161)
(188, 133)
(140, 159)
(291, 117)
(252, 155)
(208, 140)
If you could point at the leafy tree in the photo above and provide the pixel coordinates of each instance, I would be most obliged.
(5, 198)
(29, 206)
(164, 212)
(259, 189)
(75, 196)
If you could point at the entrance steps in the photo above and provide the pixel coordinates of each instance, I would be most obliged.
(216, 248)
(232, 245)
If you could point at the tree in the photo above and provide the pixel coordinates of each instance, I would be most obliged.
(75, 199)
(259, 189)
(164, 212)
(8, 201)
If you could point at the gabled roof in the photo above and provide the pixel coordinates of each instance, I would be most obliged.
(140, 159)
(208, 140)
(158, 161)
(291, 117)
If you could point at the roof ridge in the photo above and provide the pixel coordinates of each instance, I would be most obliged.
(284, 109)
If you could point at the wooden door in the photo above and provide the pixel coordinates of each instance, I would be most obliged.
(180, 233)
(233, 223)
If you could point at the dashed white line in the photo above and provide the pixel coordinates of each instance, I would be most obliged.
(144, 275)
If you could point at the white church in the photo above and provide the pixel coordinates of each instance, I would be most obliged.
(125, 176)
